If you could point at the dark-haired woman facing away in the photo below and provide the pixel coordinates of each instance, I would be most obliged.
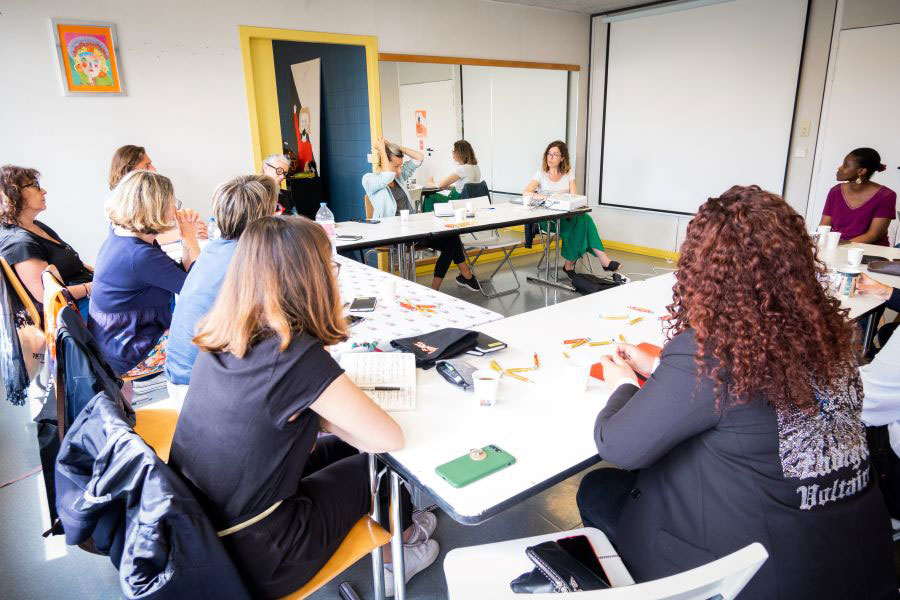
(261, 388)
(857, 207)
(748, 429)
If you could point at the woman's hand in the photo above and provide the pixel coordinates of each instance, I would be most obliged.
(202, 230)
(189, 223)
(615, 368)
(639, 360)
(868, 286)
(380, 144)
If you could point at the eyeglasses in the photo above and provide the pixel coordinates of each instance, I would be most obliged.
(336, 268)
(278, 170)
(554, 155)
(35, 184)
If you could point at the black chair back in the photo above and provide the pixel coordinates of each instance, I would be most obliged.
(475, 190)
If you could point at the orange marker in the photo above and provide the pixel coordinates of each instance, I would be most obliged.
(622, 337)
(537, 362)
(639, 309)
(578, 343)
(576, 340)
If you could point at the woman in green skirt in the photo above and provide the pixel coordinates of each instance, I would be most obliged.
(578, 233)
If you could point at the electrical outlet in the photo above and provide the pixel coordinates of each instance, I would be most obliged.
(804, 128)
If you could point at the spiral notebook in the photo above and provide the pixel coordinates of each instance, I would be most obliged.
(384, 369)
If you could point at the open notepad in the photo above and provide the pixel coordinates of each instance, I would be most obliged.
(384, 369)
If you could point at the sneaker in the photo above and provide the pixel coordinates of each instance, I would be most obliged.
(470, 283)
(148, 389)
(424, 523)
(415, 559)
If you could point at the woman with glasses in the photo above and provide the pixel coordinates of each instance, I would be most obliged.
(277, 167)
(579, 233)
(281, 494)
(135, 282)
(30, 246)
(236, 204)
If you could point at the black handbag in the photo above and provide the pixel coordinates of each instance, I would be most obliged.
(587, 283)
(445, 343)
(885, 267)
(556, 571)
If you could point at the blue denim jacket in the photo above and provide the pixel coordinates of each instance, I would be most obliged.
(376, 186)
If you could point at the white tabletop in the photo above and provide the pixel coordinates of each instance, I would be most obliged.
(837, 258)
(392, 230)
(390, 320)
(547, 427)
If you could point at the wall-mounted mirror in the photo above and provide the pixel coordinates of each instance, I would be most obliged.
(508, 112)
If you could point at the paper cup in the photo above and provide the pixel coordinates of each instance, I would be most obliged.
(854, 256)
(470, 208)
(487, 384)
(832, 239)
(388, 290)
(848, 278)
(459, 215)
(404, 215)
(577, 374)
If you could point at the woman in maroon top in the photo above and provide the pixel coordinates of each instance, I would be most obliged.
(860, 209)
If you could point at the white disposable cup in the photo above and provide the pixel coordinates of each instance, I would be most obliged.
(577, 374)
(404, 215)
(487, 384)
(470, 207)
(460, 215)
(388, 290)
(823, 229)
(832, 239)
(854, 256)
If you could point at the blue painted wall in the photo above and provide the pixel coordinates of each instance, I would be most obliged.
(344, 122)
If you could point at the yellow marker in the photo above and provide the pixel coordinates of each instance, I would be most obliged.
(578, 343)
(622, 337)
(606, 343)
(566, 354)
(520, 369)
(636, 320)
(615, 317)
(496, 366)
(519, 377)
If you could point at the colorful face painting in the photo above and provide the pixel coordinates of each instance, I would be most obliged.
(88, 58)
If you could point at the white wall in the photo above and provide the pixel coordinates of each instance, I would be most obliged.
(665, 232)
(186, 97)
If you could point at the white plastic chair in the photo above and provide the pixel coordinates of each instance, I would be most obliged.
(485, 572)
(488, 241)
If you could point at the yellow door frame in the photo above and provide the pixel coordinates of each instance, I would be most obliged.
(259, 77)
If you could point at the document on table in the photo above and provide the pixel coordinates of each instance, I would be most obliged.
(373, 370)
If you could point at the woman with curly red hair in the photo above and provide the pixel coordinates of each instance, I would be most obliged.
(748, 427)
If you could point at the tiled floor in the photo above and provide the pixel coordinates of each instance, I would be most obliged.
(34, 567)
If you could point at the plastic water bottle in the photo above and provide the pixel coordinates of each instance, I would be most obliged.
(325, 218)
(212, 230)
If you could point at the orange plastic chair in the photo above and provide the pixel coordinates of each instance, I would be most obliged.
(54, 301)
(156, 426)
(30, 308)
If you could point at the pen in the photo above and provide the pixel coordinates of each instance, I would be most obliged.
(380, 388)
(639, 309)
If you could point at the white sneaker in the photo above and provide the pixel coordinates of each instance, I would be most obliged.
(424, 523)
(415, 559)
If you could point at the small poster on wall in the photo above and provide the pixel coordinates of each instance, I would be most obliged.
(306, 113)
(88, 58)
(421, 129)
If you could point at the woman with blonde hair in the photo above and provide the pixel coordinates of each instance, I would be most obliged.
(262, 387)
(236, 203)
(134, 281)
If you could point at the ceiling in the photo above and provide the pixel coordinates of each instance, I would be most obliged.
(587, 7)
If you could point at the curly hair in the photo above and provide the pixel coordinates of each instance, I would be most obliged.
(747, 286)
(12, 180)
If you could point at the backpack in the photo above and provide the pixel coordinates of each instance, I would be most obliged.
(587, 283)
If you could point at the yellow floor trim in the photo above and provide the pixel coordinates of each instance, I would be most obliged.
(644, 250)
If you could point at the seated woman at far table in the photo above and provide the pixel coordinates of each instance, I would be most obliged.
(386, 190)
(466, 171)
(857, 207)
(578, 233)
(748, 427)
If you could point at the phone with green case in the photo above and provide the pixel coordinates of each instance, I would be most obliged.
(469, 467)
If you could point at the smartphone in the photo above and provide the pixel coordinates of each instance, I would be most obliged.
(581, 550)
(369, 221)
(464, 470)
(353, 320)
(349, 238)
(363, 304)
(867, 258)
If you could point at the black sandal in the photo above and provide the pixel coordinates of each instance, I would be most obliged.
(612, 266)
(569, 272)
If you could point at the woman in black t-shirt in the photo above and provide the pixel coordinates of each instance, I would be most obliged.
(261, 389)
(29, 246)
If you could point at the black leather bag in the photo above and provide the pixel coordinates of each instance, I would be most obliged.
(586, 283)
(885, 267)
(556, 571)
(444, 343)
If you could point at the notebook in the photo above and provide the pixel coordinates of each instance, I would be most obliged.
(386, 369)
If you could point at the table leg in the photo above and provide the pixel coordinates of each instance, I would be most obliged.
(869, 334)
(412, 261)
(377, 558)
(546, 280)
(397, 539)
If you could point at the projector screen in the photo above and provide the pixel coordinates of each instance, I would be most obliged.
(509, 116)
(698, 100)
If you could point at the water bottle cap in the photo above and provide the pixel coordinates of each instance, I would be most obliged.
(322, 203)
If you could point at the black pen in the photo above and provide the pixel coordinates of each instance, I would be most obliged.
(379, 388)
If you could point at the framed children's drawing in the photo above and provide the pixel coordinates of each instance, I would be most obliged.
(88, 55)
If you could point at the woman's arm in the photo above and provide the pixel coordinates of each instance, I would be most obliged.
(350, 414)
(413, 154)
(189, 223)
(528, 192)
(881, 384)
(29, 272)
(572, 188)
(447, 181)
(877, 230)
(826, 220)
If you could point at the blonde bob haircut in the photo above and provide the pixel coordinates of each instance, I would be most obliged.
(242, 200)
(280, 283)
(140, 201)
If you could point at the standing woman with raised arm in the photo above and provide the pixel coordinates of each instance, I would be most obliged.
(857, 207)
(579, 233)
(263, 386)
(386, 190)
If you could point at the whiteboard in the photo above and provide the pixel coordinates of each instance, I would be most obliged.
(699, 100)
(509, 117)
(862, 109)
